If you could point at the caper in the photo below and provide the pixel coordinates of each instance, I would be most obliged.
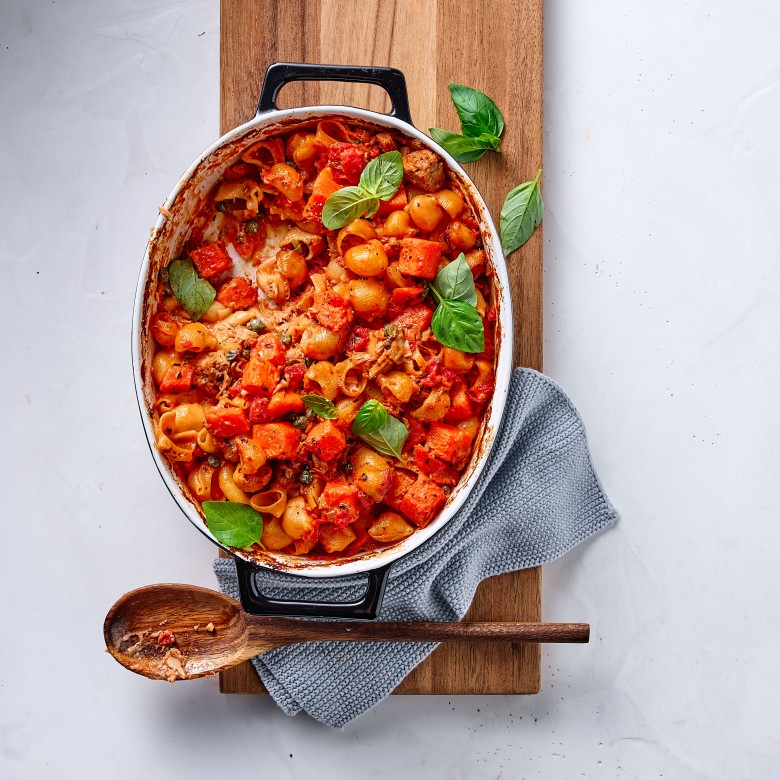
(347, 468)
(214, 461)
(306, 477)
(299, 421)
(232, 354)
(252, 226)
(285, 338)
(308, 362)
(391, 330)
(246, 353)
(257, 325)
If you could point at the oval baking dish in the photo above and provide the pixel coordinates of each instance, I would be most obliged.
(168, 237)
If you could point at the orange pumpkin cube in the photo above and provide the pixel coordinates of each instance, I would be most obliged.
(423, 501)
(419, 257)
(260, 377)
(238, 293)
(448, 443)
(278, 440)
(284, 403)
(340, 503)
(211, 260)
(225, 420)
(399, 486)
(326, 441)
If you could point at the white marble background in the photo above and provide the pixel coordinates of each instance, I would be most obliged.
(662, 171)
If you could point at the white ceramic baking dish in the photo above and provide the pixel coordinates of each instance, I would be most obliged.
(165, 244)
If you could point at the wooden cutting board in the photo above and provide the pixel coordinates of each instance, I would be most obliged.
(496, 48)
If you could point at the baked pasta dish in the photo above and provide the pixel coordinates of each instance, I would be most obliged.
(325, 343)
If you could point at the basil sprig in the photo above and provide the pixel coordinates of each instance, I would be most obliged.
(233, 524)
(521, 214)
(456, 322)
(321, 406)
(379, 181)
(385, 433)
(195, 294)
(480, 122)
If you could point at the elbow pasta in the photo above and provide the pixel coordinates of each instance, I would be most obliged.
(337, 313)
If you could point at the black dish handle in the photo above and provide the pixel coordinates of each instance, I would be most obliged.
(281, 73)
(365, 608)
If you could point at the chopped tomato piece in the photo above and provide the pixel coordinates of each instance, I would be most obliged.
(419, 257)
(258, 410)
(357, 341)
(211, 260)
(325, 440)
(270, 348)
(414, 321)
(438, 376)
(481, 392)
(340, 503)
(260, 377)
(418, 432)
(397, 202)
(332, 311)
(284, 403)
(246, 237)
(402, 298)
(448, 443)
(177, 379)
(399, 486)
(422, 501)
(278, 440)
(347, 161)
(225, 420)
(294, 375)
(238, 293)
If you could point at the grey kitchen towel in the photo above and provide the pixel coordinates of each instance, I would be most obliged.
(537, 497)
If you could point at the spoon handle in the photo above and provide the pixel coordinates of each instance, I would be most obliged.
(292, 631)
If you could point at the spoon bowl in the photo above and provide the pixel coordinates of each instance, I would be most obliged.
(181, 632)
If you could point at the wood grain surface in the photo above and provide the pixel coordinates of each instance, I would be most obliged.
(496, 48)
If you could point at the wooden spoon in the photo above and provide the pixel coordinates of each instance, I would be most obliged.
(180, 632)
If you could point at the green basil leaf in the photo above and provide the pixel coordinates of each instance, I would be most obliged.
(521, 214)
(463, 148)
(389, 439)
(478, 113)
(382, 176)
(457, 324)
(370, 417)
(233, 524)
(321, 406)
(455, 281)
(192, 292)
(346, 205)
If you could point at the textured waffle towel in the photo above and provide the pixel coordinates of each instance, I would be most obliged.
(537, 497)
